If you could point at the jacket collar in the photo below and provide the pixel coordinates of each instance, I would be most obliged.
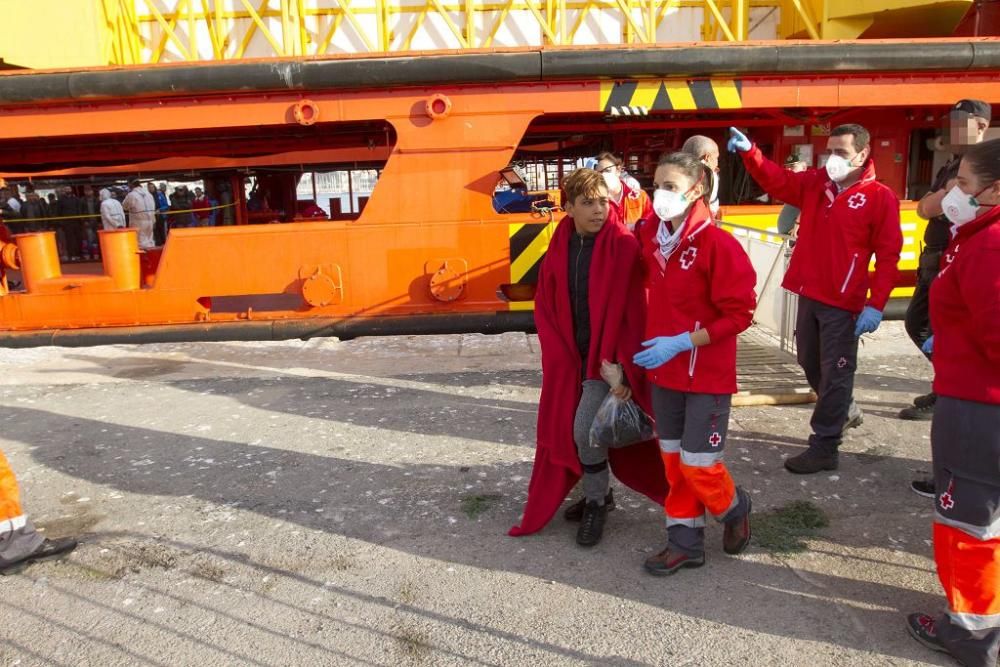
(867, 176)
(699, 218)
(969, 229)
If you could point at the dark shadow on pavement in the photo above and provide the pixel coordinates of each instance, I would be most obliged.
(378, 504)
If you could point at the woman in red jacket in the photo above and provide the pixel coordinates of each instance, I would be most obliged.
(701, 295)
(965, 434)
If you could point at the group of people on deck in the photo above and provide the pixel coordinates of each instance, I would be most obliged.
(656, 286)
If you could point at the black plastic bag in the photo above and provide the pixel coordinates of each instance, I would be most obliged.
(618, 423)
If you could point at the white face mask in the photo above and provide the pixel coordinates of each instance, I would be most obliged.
(838, 168)
(960, 207)
(668, 204)
(613, 181)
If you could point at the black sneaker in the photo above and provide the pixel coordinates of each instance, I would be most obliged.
(591, 524)
(915, 413)
(923, 487)
(924, 629)
(48, 550)
(811, 461)
(927, 400)
(575, 511)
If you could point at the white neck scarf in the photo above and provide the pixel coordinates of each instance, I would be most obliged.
(668, 242)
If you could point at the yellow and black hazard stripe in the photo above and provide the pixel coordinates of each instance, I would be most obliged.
(528, 245)
(642, 96)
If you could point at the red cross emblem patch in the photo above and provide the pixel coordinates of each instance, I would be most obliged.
(947, 501)
(715, 439)
(857, 200)
(687, 258)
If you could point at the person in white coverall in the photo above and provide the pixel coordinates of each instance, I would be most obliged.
(141, 209)
(112, 213)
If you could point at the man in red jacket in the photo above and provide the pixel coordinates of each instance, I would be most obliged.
(847, 216)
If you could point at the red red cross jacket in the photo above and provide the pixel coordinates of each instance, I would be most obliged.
(633, 207)
(965, 313)
(706, 283)
(838, 234)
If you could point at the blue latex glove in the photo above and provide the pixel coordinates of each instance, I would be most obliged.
(738, 141)
(662, 349)
(928, 346)
(868, 321)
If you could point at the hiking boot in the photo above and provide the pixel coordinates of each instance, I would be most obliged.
(923, 487)
(736, 535)
(927, 400)
(667, 562)
(918, 414)
(48, 550)
(575, 511)
(855, 417)
(924, 629)
(811, 461)
(591, 524)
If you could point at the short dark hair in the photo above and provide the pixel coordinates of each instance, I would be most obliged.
(586, 182)
(692, 167)
(984, 160)
(862, 138)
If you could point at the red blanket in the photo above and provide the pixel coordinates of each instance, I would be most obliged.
(617, 307)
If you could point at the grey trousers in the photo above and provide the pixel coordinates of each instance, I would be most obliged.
(18, 538)
(593, 459)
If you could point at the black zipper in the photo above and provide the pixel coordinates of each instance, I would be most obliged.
(576, 280)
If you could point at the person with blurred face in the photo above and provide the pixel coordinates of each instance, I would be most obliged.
(141, 209)
(70, 208)
(201, 207)
(162, 206)
(965, 126)
(34, 208)
(589, 309)
(847, 216)
(700, 286)
(112, 213)
(632, 203)
(965, 431)
(90, 205)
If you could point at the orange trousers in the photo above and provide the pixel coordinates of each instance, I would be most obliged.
(969, 570)
(10, 499)
(693, 489)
